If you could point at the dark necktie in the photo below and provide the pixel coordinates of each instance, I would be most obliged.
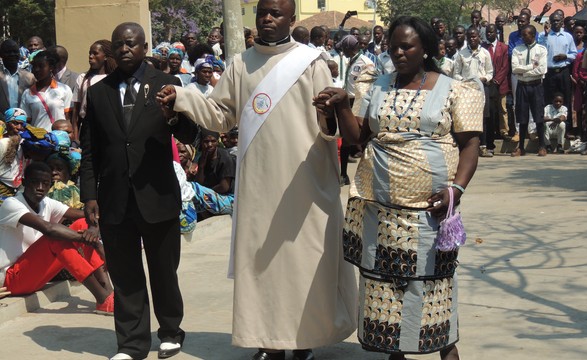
(130, 96)
(490, 49)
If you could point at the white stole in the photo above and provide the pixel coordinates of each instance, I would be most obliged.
(262, 101)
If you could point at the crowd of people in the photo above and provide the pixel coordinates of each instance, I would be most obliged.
(97, 167)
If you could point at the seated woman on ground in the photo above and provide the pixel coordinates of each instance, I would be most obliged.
(63, 166)
(187, 153)
(214, 181)
(12, 160)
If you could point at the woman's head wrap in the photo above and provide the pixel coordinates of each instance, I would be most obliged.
(178, 45)
(175, 51)
(71, 158)
(208, 62)
(15, 114)
(219, 63)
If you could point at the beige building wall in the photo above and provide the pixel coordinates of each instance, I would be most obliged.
(78, 23)
(307, 8)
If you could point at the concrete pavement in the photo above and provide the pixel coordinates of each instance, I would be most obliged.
(522, 279)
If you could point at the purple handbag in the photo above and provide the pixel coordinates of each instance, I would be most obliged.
(451, 233)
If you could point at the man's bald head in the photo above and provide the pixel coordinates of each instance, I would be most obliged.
(136, 28)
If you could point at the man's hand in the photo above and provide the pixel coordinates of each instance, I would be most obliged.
(92, 212)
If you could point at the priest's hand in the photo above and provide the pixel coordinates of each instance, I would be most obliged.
(166, 96)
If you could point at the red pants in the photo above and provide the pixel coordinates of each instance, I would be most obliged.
(46, 257)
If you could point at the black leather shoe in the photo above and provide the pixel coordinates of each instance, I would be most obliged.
(168, 349)
(263, 355)
(306, 354)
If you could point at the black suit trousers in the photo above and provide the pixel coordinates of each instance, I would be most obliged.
(161, 242)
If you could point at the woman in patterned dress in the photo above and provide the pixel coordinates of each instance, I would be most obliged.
(423, 132)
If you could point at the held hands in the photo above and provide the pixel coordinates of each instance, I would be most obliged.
(91, 235)
(438, 203)
(166, 98)
(329, 99)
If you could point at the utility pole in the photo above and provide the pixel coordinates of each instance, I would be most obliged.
(234, 38)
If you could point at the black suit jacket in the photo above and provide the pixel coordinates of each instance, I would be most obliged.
(117, 160)
(69, 78)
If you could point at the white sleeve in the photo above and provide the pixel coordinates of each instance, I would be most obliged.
(11, 211)
(56, 209)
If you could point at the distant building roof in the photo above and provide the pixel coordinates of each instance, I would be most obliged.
(332, 19)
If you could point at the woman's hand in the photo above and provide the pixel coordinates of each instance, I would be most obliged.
(439, 202)
(329, 98)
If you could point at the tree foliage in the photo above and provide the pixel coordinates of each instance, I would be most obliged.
(22, 19)
(171, 19)
(452, 11)
(448, 10)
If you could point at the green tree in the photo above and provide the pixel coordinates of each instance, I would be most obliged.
(171, 19)
(448, 10)
(22, 19)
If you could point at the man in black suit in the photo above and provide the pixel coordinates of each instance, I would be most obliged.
(129, 187)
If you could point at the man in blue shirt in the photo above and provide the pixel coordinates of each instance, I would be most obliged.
(561, 54)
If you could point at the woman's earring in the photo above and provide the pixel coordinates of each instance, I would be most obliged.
(425, 56)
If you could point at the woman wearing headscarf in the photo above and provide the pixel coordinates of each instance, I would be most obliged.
(174, 59)
(12, 161)
(102, 63)
(163, 49)
(204, 72)
(64, 165)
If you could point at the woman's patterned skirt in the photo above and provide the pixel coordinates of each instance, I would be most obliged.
(408, 289)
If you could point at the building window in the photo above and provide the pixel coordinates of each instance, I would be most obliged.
(243, 11)
(321, 4)
(254, 9)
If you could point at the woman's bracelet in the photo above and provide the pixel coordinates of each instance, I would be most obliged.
(458, 187)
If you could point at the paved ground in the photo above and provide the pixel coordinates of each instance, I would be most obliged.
(522, 279)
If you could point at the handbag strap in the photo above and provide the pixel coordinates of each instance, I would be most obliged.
(46, 107)
(450, 211)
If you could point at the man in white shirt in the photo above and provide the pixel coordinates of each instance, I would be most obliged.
(34, 246)
(529, 64)
(474, 62)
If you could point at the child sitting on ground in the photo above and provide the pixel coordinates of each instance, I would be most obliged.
(555, 115)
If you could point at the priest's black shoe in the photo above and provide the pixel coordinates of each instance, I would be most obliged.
(263, 355)
(306, 354)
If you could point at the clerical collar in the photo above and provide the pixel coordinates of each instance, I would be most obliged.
(280, 42)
